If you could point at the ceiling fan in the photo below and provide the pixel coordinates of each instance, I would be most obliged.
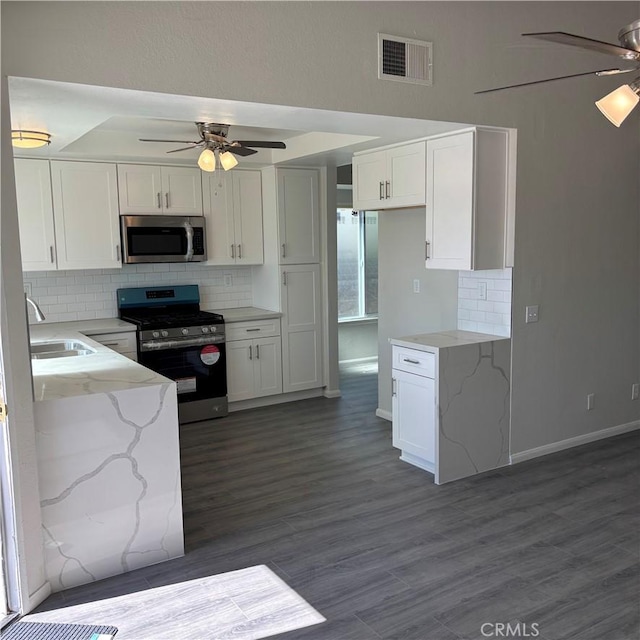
(215, 145)
(618, 104)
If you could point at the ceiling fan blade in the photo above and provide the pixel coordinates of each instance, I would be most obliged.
(174, 141)
(573, 75)
(561, 37)
(239, 151)
(194, 146)
(261, 144)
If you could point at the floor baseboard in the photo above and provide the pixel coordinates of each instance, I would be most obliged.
(386, 415)
(554, 447)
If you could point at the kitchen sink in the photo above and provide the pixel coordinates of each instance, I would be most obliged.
(60, 349)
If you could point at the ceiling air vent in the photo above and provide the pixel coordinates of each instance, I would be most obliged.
(404, 59)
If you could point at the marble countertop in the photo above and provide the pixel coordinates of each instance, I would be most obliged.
(241, 314)
(443, 340)
(101, 372)
(87, 327)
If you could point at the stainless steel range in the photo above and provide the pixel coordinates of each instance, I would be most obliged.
(180, 342)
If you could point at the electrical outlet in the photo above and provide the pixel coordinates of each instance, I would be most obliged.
(416, 286)
(531, 313)
(228, 280)
(482, 290)
(635, 391)
(591, 398)
(27, 288)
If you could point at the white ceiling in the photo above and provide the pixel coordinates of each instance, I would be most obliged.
(105, 123)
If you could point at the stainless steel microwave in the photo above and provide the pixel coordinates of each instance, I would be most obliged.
(163, 239)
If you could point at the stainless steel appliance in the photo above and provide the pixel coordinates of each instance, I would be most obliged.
(180, 342)
(163, 239)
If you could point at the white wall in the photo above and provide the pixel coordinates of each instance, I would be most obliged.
(576, 236)
(357, 340)
(83, 294)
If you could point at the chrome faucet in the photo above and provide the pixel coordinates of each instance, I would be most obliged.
(40, 317)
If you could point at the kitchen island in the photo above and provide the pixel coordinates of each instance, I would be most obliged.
(108, 460)
(451, 402)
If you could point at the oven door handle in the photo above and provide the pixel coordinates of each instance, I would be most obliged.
(189, 230)
(160, 345)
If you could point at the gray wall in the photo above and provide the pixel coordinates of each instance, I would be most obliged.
(400, 311)
(576, 237)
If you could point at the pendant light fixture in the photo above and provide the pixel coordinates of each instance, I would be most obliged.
(27, 139)
(227, 160)
(618, 104)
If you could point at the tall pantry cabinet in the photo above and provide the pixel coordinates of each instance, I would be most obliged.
(289, 281)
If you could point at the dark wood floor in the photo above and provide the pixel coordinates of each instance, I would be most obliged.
(315, 491)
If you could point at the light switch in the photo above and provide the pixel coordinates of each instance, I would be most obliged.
(531, 313)
(482, 290)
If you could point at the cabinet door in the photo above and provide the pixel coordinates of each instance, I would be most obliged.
(298, 210)
(247, 214)
(406, 176)
(218, 211)
(450, 202)
(139, 189)
(85, 209)
(35, 214)
(240, 376)
(301, 328)
(369, 176)
(267, 354)
(413, 409)
(182, 187)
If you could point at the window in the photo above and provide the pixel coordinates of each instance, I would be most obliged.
(357, 264)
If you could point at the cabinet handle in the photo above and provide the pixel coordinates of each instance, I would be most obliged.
(233, 250)
(239, 252)
(166, 199)
(410, 361)
(247, 330)
(250, 353)
(284, 278)
(382, 191)
(427, 246)
(284, 253)
(393, 387)
(118, 253)
(159, 200)
(387, 189)
(257, 352)
(110, 344)
(51, 254)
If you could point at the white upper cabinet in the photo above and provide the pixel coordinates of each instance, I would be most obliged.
(35, 214)
(467, 177)
(390, 178)
(85, 208)
(150, 189)
(298, 216)
(233, 208)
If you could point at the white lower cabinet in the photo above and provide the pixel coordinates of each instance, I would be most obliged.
(301, 306)
(414, 419)
(124, 343)
(254, 365)
(450, 405)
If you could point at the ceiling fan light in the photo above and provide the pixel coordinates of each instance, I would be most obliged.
(25, 139)
(618, 104)
(207, 160)
(228, 160)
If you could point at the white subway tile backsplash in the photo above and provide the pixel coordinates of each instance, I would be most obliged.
(84, 295)
(492, 315)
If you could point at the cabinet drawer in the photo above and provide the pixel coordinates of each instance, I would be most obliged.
(252, 329)
(121, 342)
(421, 363)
